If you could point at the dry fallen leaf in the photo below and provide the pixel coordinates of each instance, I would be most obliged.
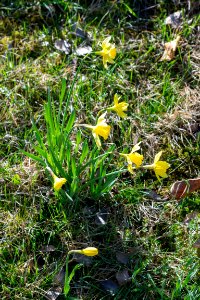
(197, 244)
(123, 257)
(109, 286)
(174, 19)
(53, 293)
(123, 277)
(101, 217)
(83, 259)
(191, 216)
(182, 188)
(63, 45)
(170, 49)
(81, 51)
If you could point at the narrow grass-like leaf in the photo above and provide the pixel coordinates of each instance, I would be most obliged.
(34, 157)
(69, 279)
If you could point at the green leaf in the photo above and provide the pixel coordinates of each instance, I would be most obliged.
(70, 122)
(69, 279)
(85, 151)
(34, 157)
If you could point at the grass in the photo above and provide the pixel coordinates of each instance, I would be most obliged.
(123, 215)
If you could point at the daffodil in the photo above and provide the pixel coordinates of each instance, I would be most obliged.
(119, 108)
(89, 251)
(108, 52)
(133, 158)
(101, 129)
(160, 167)
(58, 182)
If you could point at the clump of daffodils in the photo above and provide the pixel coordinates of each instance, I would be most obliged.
(108, 52)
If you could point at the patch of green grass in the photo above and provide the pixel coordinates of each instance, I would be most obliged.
(41, 85)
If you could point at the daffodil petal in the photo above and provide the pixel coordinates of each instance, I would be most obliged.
(157, 157)
(106, 43)
(136, 147)
(116, 99)
(97, 140)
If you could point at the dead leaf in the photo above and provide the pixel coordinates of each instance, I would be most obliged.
(123, 257)
(109, 286)
(123, 277)
(174, 20)
(63, 45)
(197, 244)
(101, 217)
(182, 188)
(53, 293)
(152, 195)
(78, 32)
(48, 248)
(191, 216)
(170, 49)
(81, 51)
(83, 259)
(59, 278)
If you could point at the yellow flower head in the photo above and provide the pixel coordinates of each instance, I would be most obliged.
(89, 251)
(101, 129)
(160, 167)
(133, 157)
(119, 107)
(58, 182)
(108, 52)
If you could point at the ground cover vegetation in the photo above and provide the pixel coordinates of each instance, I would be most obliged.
(96, 123)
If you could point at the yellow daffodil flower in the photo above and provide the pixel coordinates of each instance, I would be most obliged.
(58, 182)
(108, 52)
(160, 167)
(89, 251)
(119, 107)
(101, 129)
(133, 157)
